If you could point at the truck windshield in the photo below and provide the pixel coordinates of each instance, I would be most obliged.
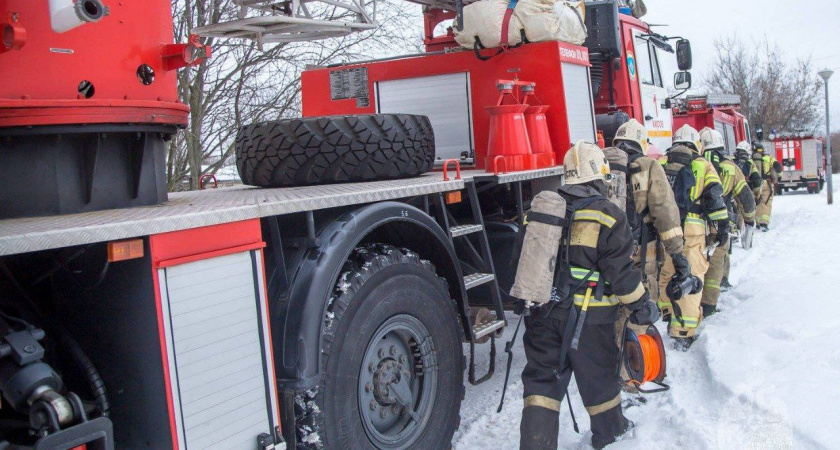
(647, 62)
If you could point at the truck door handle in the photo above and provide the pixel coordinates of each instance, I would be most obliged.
(648, 117)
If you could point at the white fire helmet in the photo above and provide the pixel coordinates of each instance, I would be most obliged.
(585, 162)
(688, 135)
(743, 146)
(633, 131)
(711, 139)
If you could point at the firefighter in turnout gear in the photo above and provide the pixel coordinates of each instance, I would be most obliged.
(699, 195)
(748, 168)
(734, 186)
(769, 169)
(596, 276)
(650, 202)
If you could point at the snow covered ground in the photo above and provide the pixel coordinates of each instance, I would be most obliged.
(764, 373)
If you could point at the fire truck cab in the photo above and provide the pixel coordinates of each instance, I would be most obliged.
(627, 73)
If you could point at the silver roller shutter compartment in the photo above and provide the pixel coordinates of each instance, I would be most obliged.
(579, 110)
(217, 346)
(445, 99)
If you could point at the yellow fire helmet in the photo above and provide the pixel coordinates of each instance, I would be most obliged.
(633, 131)
(585, 162)
(690, 137)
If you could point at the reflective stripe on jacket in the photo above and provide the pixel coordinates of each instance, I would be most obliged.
(600, 239)
(706, 194)
(735, 186)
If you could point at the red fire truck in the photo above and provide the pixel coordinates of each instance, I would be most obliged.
(719, 112)
(319, 316)
(627, 76)
(803, 162)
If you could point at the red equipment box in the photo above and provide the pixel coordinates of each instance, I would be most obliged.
(455, 88)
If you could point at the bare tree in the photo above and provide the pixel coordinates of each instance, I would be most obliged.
(774, 94)
(242, 84)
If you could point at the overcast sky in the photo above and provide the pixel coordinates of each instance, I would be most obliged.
(800, 28)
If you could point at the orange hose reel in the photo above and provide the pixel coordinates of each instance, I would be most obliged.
(643, 357)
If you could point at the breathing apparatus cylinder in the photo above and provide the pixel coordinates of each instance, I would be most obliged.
(678, 289)
(540, 246)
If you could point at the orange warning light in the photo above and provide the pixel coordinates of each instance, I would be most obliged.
(123, 250)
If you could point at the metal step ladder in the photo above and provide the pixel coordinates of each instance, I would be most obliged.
(473, 250)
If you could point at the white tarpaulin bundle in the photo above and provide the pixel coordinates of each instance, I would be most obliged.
(540, 20)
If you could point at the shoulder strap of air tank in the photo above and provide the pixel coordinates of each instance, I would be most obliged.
(581, 203)
(547, 219)
(630, 160)
(681, 158)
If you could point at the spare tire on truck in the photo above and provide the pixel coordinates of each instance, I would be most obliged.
(333, 149)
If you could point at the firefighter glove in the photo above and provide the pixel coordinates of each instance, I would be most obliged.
(722, 232)
(681, 267)
(643, 311)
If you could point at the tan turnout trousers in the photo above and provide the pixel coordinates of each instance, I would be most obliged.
(717, 269)
(685, 315)
(764, 204)
(651, 282)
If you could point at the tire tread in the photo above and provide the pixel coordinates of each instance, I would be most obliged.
(365, 262)
(331, 149)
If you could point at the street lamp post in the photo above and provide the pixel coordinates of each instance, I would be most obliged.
(826, 74)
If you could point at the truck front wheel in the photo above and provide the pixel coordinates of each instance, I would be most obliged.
(392, 361)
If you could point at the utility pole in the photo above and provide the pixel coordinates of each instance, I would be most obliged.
(826, 74)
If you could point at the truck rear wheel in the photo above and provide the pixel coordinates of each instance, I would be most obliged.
(331, 149)
(392, 361)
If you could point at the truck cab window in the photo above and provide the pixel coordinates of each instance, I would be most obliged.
(643, 61)
(647, 62)
(654, 65)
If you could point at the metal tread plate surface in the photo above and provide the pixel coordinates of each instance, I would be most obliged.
(194, 209)
(483, 329)
(477, 279)
(462, 230)
(511, 177)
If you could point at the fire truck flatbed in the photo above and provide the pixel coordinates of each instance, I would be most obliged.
(193, 209)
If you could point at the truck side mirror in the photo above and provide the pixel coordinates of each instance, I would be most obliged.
(682, 80)
(684, 54)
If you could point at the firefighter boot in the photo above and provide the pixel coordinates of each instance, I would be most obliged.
(600, 441)
(681, 344)
(539, 428)
(708, 310)
(725, 285)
